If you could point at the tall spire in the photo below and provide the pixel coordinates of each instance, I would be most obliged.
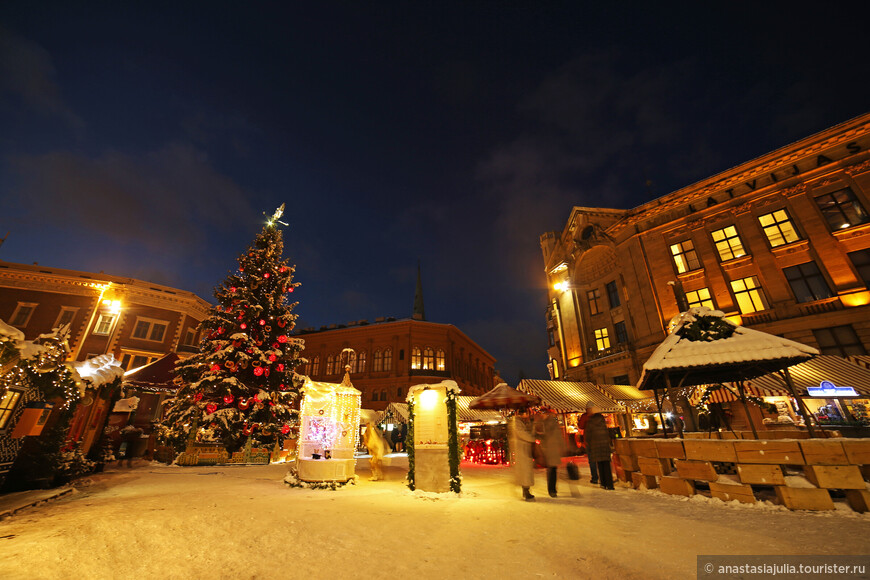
(419, 310)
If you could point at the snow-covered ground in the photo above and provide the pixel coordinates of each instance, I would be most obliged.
(156, 521)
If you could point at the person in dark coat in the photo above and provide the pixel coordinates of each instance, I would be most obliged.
(581, 425)
(598, 445)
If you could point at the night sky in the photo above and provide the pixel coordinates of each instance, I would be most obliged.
(148, 141)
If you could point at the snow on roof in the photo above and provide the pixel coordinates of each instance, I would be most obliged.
(10, 331)
(744, 346)
(99, 370)
(127, 405)
(451, 387)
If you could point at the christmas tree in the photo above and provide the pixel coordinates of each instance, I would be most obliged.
(242, 383)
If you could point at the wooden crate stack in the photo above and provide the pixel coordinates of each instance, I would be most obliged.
(675, 465)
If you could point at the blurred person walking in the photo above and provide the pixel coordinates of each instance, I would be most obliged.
(553, 447)
(521, 439)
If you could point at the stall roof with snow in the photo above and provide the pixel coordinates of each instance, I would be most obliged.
(570, 396)
(706, 348)
(464, 414)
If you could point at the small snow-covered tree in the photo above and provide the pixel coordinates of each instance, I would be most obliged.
(242, 382)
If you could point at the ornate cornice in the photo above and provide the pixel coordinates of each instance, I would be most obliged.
(853, 170)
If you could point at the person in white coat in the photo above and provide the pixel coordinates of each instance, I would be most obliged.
(521, 439)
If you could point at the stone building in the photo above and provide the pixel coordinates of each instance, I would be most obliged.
(780, 244)
(391, 355)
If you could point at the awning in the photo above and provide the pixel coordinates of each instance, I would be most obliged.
(727, 394)
(629, 396)
(155, 376)
(463, 413)
(569, 396)
(369, 416)
(840, 371)
(397, 412)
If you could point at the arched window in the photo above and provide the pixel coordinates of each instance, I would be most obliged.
(315, 366)
(377, 361)
(384, 395)
(439, 360)
(429, 359)
(351, 362)
(416, 358)
(330, 365)
(388, 359)
(361, 361)
(374, 395)
(399, 393)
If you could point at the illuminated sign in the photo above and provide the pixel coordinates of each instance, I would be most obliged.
(828, 389)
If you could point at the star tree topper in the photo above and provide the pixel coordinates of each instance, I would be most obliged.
(276, 217)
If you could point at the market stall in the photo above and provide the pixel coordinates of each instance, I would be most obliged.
(638, 407)
(482, 433)
(328, 433)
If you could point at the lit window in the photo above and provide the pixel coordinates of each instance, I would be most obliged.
(377, 361)
(361, 361)
(67, 313)
(388, 359)
(315, 366)
(22, 313)
(440, 364)
(778, 228)
(429, 359)
(728, 243)
(330, 365)
(593, 296)
(621, 332)
(697, 298)
(749, 296)
(351, 362)
(807, 282)
(7, 406)
(602, 340)
(685, 257)
(104, 324)
(861, 261)
(416, 358)
(613, 294)
(148, 329)
(839, 341)
(842, 209)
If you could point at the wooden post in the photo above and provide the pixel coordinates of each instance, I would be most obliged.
(746, 408)
(808, 417)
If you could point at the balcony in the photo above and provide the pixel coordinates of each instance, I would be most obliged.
(615, 349)
(820, 306)
(429, 373)
(759, 317)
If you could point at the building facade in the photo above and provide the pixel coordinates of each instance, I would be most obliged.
(780, 244)
(392, 355)
(137, 321)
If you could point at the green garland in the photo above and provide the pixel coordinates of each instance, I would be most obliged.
(453, 444)
(409, 443)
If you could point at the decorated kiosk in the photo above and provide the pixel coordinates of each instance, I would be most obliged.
(328, 432)
(433, 438)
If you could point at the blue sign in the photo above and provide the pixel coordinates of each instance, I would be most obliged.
(827, 389)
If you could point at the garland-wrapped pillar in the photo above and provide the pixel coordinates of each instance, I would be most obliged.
(433, 452)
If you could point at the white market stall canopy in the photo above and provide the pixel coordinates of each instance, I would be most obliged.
(629, 396)
(570, 396)
(397, 412)
(842, 372)
(464, 414)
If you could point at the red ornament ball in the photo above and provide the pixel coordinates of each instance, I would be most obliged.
(280, 367)
(285, 429)
(211, 408)
(290, 289)
(232, 289)
(262, 322)
(273, 358)
(228, 399)
(215, 368)
(197, 397)
(258, 371)
(283, 338)
(243, 326)
(266, 275)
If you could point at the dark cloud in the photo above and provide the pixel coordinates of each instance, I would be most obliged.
(27, 72)
(170, 201)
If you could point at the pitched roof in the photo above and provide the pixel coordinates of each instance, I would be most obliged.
(745, 354)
